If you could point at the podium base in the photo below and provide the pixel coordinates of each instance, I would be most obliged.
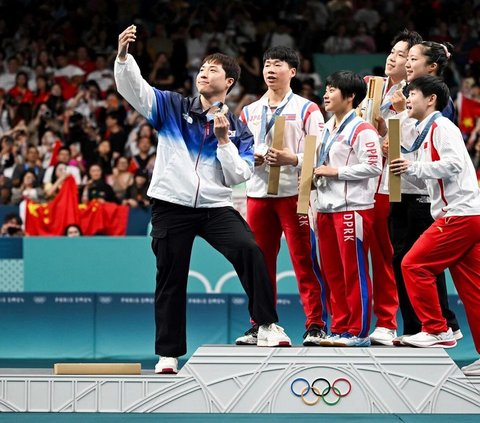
(231, 379)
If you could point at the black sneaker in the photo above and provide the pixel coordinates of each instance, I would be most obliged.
(249, 338)
(313, 336)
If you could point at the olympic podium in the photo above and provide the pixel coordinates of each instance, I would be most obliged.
(230, 379)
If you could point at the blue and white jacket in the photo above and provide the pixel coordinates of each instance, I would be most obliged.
(191, 169)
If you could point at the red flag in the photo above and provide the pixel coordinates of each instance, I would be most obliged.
(116, 219)
(52, 218)
(56, 147)
(94, 218)
(98, 218)
(468, 113)
(91, 218)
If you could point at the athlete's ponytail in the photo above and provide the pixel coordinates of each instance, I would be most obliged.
(437, 53)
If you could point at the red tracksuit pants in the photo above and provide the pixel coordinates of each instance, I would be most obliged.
(385, 296)
(454, 243)
(343, 248)
(268, 218)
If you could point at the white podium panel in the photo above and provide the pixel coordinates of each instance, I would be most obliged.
(230, 379)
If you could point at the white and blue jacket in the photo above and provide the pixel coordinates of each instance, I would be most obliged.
(191, 169)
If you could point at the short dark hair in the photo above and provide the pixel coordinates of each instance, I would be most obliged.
(64, 148)
(437, 53)
(11, 216)
(113, 114)
(285, 54)
(349, 83)
(229, 65)
(429, 85)
(410, 37)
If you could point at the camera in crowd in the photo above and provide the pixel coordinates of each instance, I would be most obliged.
(10, 100)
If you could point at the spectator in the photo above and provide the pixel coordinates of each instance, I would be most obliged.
(32, 164)
(12, 226)
(362, 42)
(7, 158)
(28, 190)
(83, 60)
(96, 188)
(20, 92)
(68, 76)
(59, 174)
(251, 71)
(161, 75)
(145, 159)
(5, 190)
(121, 178)
(63, 156)
(115, 133)
(55, 102)
(5, 114)
(136, 194)
(307, 72)
(104, 157)
(280, 36)
(7, 79)
(367, 15)
(102, 75)
(308, 91)
(76, 157)
(159, 42)
(45, 59)
(112, 104)
(340, 43)
(73, 231)
(42, 92)
(196, 48)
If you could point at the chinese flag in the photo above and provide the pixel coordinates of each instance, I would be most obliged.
(98, 218)
(94, 218)
(91, 218)
(468, 114)
(52, 218)
(116, 219)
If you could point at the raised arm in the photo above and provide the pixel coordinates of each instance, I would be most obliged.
(128, 77)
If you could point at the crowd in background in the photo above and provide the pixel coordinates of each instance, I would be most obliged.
(60, 113)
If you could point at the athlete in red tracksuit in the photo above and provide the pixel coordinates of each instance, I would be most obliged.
(349, 162)
(453, 240)
(385, 295)
(271, 215)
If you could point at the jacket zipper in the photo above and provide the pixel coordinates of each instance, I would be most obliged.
(205, 133)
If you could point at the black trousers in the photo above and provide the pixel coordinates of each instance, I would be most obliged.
(174, 230)
(408, 220)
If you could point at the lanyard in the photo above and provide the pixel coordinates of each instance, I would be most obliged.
(388, 104)
(325, 149)
(265, 127)
(419, 140)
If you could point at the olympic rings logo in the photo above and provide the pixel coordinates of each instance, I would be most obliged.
(322, 391)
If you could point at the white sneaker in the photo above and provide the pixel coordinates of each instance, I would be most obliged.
(457, 334)
(249, 337)
(348, 340)
(436, 340)
(167, 365)
(313, 336)
(329, 340)
(272, 335)
(383, 336)
(472, 369)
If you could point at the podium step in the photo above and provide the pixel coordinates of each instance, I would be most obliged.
(231, 379)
